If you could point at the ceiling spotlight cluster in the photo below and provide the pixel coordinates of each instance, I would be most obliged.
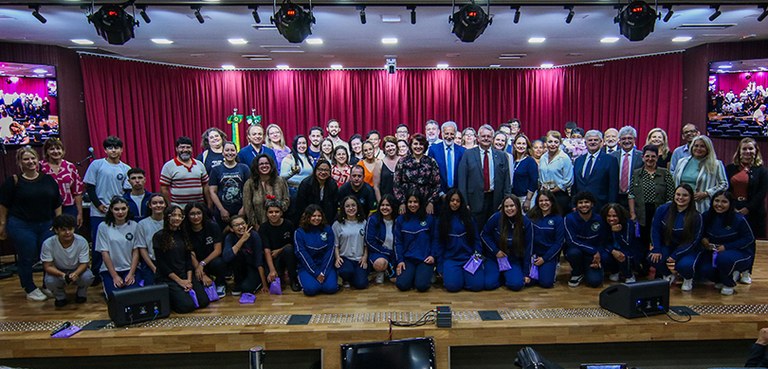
(36, 13)
(637, 20)
(292, 21)
(470, 21)
(113, 23)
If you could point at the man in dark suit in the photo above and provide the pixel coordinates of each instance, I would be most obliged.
(596, 172)
(629, 159)
(447, 155)
(483, 176)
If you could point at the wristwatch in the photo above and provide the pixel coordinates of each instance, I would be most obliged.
(203, 263)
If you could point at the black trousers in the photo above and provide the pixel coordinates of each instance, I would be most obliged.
(181, 301)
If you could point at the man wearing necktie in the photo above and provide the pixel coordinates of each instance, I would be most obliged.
(483, 176)
(629, 159)
(596, 172)
(447, 155)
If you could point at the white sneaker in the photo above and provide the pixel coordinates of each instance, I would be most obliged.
(727, 291)
(614, 277)
(630, 279)
(719, 286)
(346, 285)
(575, 281)
(37, 295)
(380, 278)
(687, 285)
(746, 278)
(221, 291)
(46, 292)
(670, 278)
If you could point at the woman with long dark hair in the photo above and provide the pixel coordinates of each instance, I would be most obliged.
(319, 189)
(414, 247)
(548, 237)
(297, 165)
(205, 236)
(728, 240)
(116, 239)
(264, 185)
(173, 254)
(509, 234)
(525, 171)
(384, 177)
(379, 238)
(676, 233)
(621, 252)
(226, 183)
(314, 250)
(458, 242)
(350, 251)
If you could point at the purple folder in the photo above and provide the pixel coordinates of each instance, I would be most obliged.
(247, 298)
(275, 288)
(66, 333)
(194, 298)
(503, 264)
(210, 291)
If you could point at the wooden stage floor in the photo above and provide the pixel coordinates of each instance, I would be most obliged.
(532, 316)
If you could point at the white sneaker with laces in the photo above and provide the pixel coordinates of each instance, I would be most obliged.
(380, 278)
(221, 291)
(346, 285)
(614, 277)
(575, 281)
(746, 278)
(37, 295)
(687, 285)
(727, 291)
(630, 279)
(46, 292)
(670, 278)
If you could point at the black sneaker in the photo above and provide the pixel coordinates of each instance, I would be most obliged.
(295, 287)
(80, 299)
(60, 303)
(575, 281)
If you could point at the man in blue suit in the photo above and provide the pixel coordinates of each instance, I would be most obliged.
(447, 155)
(596, 172)
(483, 176)
(629, 159)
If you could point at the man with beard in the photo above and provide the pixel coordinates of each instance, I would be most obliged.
(183, 180)
(582, 242)
(315, 138)
(611, 137)
(334, 128)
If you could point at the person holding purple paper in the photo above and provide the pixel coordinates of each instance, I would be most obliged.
(458, 242)
(314, 249)
(414, 245)
(509, 234)
(621, 250)
(548, 237)
(244, 253)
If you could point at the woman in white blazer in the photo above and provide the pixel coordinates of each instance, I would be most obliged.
(702, 171)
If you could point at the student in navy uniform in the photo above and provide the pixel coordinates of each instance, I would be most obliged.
(458, 240)
(350, 252)
(277, 238)
(173, 252)
(244, 253)
(676, 234)
(314, 250)
(548, 236)
(583, 236)
(509, 234)
(137, 196)
(206, 239)
(727, 233)
(379, 237)
(621, 250)
(414, 245)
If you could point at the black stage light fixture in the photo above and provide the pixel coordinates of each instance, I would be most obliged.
(470, 22)
(143, 13)
(36, 13)
(571, 13)
(198, 15)
(255, 13)
(669, 14)
(412, 8)
(764, 13)
(716, 13)
(637, 21)
(113, 24)
(293, 22)
(361, 8)
(516, 8)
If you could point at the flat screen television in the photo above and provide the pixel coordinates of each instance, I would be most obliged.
(412, 353)
(29, 106)
(736, 97)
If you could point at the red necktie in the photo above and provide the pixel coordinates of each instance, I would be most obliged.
(486, 173)
(624, 183)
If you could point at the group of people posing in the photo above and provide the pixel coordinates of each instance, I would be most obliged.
(486, 210)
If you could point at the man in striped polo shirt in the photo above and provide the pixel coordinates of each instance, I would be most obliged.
(183, 180)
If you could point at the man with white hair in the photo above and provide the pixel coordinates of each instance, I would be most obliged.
(629, 159)
(596, 171)
(447, 155)
(759, 115)
(611, 140)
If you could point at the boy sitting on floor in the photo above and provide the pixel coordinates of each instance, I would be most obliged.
(65, 260)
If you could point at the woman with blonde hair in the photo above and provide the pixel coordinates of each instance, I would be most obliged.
(702, 171)
(276, 142)
(748, 182)
(657, 137)
(71, 186)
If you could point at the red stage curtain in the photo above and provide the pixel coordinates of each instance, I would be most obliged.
(149, 105)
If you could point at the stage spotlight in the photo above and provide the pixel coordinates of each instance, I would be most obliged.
(412, 8)
(113, 24)
(716, 13)
(255, 13)
(669, 14)
(143, 14)
(36, 13)
(637, 20)
(361, 8)
(516, 8)
(470, 22)
(763, 14)
(293, 22)
(199, 16)
(571, 13)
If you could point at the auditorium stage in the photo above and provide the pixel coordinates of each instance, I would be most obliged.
(534, 316)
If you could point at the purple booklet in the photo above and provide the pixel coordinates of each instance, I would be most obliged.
(473, 264)
(503, 264)
(210, 291)
(534, 272)
(68, 332)
(194, 298)
(275, 288)
(714, 258)
(247, 298)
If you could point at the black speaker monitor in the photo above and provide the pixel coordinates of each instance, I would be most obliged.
(139, 305)
(637, 299)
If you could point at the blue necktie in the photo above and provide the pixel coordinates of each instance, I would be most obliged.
(449, 165)
(588, 169)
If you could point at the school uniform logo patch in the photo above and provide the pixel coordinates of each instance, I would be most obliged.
(551, 222)
(423, 223)
(324, 236)
(120, 176)
(129, 236)
(595, 226)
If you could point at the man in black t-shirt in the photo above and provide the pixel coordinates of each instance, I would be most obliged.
(359, 189)
(277, 238)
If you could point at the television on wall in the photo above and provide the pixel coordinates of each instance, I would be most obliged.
(737, 93)
(29, 106)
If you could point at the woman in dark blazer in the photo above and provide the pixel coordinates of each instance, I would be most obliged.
(650, 188)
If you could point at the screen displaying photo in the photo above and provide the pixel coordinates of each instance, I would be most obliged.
(29, 109)
(736, 98)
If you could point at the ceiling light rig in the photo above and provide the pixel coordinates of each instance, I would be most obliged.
(716, 13)
(412, 8)
(199, 16)
(571, 13)
(292, 21)
(36, 13)
(764, 13)
(516, 8)
(637, 20)
(361, 8)
(669, 14)
(255, 13)
(143, 13)
(470, 21)
(113, 23)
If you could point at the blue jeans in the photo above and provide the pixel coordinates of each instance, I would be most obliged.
(352, 272)
(28, 239)
(312, 287)
(416, 274)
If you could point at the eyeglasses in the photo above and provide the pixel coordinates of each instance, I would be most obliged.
(691, 132)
